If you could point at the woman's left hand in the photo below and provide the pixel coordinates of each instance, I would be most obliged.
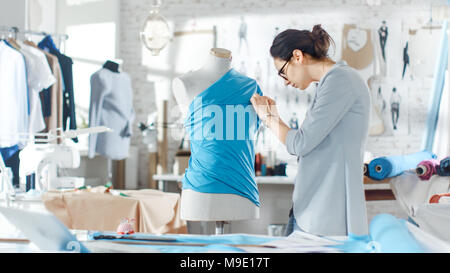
(264, 106)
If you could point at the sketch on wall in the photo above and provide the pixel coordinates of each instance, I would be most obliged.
(357, 47)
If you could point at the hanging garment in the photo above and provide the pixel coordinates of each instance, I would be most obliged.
(13, 96)
(390, 166)
(111, 106)
(222, 146)
(11, 158)
(65, 62)
(39, 77)
(51, 98)
(329, 192)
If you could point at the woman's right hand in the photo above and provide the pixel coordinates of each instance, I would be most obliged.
(266, 109)
(264, 106)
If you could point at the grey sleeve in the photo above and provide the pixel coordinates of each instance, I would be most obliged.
(99, 89)
(334, 99)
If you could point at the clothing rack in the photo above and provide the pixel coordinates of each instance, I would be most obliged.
(15, 31)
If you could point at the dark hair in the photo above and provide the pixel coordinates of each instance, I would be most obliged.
(314, 43)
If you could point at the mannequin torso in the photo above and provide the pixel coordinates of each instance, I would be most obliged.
(197, 206)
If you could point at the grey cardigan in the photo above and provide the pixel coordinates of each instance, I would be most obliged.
(329, 193)
(111, 106)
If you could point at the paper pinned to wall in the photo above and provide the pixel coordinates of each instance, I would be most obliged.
(357, 46)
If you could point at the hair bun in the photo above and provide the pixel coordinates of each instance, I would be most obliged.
(322, 41)
(318, 32)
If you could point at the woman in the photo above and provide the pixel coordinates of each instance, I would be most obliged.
(328, 197)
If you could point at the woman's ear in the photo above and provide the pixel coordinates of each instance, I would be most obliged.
(298, 56)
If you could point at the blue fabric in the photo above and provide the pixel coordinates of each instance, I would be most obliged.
(11, 159)
(8, 152)
(387, 235)
(395, 165)
(444, 167)
(48, 45)
(214, 242)
(68, 101)
(222, 126)
(438, 86)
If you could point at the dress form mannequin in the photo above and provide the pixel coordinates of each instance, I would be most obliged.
(198, 206)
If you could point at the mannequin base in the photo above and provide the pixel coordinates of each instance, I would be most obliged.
(197, 206)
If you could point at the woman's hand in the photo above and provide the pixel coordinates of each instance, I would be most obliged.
(266, 109)
(264, 106)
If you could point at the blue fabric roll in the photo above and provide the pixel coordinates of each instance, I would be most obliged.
(438, 86)
(387, 235)
(390, 166)
(444, 167)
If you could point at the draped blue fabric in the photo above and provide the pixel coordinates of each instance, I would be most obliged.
(222, 127)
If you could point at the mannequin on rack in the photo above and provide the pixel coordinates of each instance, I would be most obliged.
(207, 194)
(111, 106)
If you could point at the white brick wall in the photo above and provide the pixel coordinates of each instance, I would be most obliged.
(331, 14)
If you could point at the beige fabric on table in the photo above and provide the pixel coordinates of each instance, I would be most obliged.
(154, 211)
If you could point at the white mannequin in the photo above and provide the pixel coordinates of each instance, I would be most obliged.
(197, 206)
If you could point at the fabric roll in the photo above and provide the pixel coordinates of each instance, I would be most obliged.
(444, 167)
(392, 235)
(427, 168)
(387, 234)
(390, 166)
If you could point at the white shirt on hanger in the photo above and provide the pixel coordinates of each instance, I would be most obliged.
(13, 96)
(40, 77)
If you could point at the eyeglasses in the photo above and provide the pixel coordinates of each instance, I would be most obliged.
(281, 73)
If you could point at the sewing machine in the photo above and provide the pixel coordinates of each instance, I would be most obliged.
(47, 159)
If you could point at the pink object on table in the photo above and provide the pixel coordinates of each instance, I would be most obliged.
(126, 226)
(427, 168)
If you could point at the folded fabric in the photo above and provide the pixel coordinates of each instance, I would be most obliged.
(97, 209)
(427, 168)
(390, 166)
(444, 167)
(388, 234)
(437, 198)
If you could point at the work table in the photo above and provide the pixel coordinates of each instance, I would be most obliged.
(375, 190)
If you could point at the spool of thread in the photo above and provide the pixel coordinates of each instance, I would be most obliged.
(427, 168)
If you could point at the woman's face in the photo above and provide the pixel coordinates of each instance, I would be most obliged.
(294, 72)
